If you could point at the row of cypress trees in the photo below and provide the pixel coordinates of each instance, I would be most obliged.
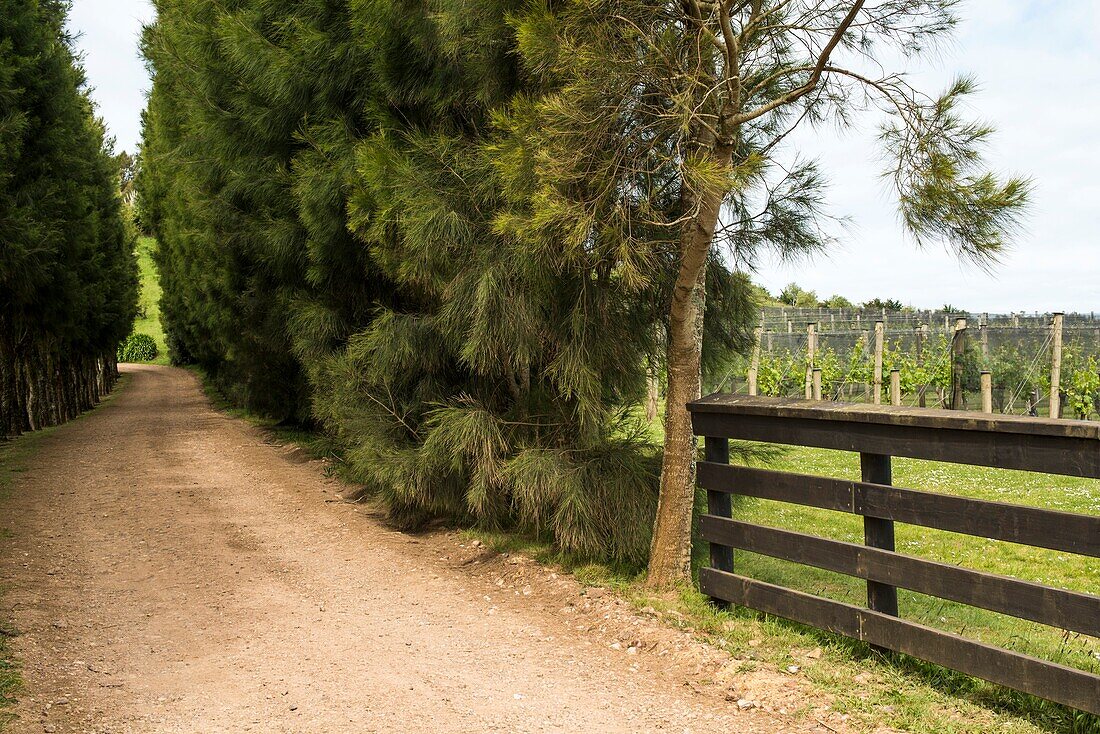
(343, 196)
(68, 277)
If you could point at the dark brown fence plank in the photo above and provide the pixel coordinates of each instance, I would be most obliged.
(1058, 683)
(743, 405)
(1057, 447)
(717, 450)
(1056, 607)
(879, 533)
(1063, 531)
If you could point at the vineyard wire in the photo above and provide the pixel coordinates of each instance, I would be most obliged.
(799, 344)
(915, 398)
(1034, 362)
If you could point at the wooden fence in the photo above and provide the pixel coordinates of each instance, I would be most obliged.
(1064, 447)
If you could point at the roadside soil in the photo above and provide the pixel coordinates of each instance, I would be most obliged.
(171, 570)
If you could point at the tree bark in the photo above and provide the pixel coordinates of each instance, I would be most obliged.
(670, 550)
(40, 386)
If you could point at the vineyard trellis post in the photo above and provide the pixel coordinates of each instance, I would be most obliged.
(811, 353)
(877, 380)
(895, 387)
(987, 391)
(922, 336)
(958, 350)
(1056, 368)
(817, 383)
(754, 366)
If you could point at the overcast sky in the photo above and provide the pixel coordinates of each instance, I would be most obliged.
(1038, 63)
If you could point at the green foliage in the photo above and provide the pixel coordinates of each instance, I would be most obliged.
(137, 348)
(837, 301)
(447, 232)
(1082, 388)
(68, 283)
(891, 305)
(794, 295)
(341, 207)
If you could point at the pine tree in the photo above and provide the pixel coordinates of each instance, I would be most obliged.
(325, 182)
(68, 276)
(662, 139)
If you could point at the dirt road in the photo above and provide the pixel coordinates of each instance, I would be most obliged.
(172, 572)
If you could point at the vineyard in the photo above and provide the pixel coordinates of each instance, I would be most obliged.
(925, 358)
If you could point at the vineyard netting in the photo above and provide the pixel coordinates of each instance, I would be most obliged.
(1016, 349)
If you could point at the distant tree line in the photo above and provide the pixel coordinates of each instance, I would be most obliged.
(68, 277)
(463, 235)
(798, 297)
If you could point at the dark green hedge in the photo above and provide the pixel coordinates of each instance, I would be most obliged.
(68, 276)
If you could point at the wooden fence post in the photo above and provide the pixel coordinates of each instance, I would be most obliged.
(817, 383)
(922, 389)
(958, 349)
(754, 365)
(895, 387)
(879, 533)
(987, 391)
(811, 353)
(1056, 369)
(717, 450)
(879, 336)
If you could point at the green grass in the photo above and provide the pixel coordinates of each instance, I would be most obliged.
(895, 690)
(148, 321)
(1048, 567)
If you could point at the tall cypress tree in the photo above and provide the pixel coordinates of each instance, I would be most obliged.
(68, 276)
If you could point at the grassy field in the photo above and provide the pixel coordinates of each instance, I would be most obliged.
(1047, 567)
(148, 321)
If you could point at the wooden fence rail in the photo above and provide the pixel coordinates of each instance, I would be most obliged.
(1070, 448)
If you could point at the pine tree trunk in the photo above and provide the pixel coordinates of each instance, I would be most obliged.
(41, 387)
(670, 550)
